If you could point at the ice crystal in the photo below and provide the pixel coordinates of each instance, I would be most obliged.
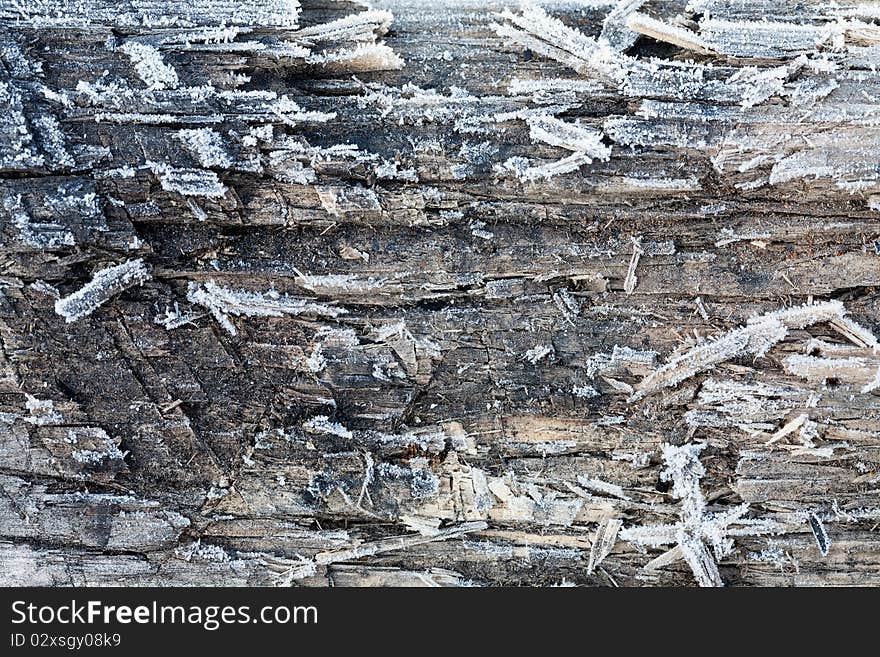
(697, 529)
(524, 171)
(42, 411)
(105, 284)
(585, 392)
(615, 31)
(140, 14)
(567, 303)
(705, 105)
(603, 487)
(757, 337)
(189, 182)
(105, 449)
(569, 136)
(17, 148)
(207, 146)
(222, 302)
(538, 352)
(174, 318)
(363, 57)
(750, 406)
(43, 235)
(533, 28)
(362, 26)
(661, 31)
(149, 65)
(321, 424)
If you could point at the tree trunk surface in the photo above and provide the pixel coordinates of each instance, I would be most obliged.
(322, 296)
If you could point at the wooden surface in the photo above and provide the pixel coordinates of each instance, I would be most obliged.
(583, 295)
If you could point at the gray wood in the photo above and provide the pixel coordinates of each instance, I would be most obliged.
(456, 298)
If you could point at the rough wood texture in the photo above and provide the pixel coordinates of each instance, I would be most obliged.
(585, 294)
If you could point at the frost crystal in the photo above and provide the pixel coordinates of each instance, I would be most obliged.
(720, 104)
(615, 31)
(585, 392)
(603, 487)
(17, 148)
(42, 411)
(222, 302)
(142, 13)
(677, 36)
(537, 353)
(150, 67)
(37, 234)
(568, 136)
(189, 182)
(103, 286)
(207, 146)
(584, 144)
(363, 57)
(757, 337)
(567, 303)
(362, 26)
(105, 449)
(697, 530)
(316, 361)
(525, 172)
(172, 319)
(548, 36)
(752, 407)
(321, 424)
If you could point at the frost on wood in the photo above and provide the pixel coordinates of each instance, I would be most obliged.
(722, 105)
(17, 147)
(140, 14)
(224, 302)
(568, 136)
(446, 313)
(615, 29)
(756, 338)
(207, 146)
(697, 530)
(105, 284)
(190, 182)
(150, 67)
(533, 28)
(584, 144)
(661, 31)
(753, 407)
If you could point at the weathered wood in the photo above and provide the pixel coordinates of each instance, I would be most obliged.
(317, 296)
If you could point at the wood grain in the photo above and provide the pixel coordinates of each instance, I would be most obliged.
(451, 298)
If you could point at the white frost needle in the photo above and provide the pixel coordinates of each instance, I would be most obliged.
(533, 28)
(223, 302)
(756, 338)
(104, 285)
(697, 530)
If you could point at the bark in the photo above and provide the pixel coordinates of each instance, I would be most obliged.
(586, 296)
